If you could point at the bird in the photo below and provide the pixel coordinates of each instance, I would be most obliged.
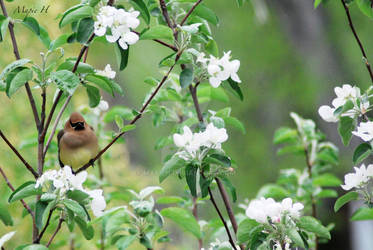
(77, 143)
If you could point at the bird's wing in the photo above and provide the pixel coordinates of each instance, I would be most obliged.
(59, 136)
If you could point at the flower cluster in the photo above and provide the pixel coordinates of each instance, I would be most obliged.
(120, 23)
(344, 94)
(191, 143)
(262, 209)
(221, 69)
(64, 180)
(358, 179)
(107, 72)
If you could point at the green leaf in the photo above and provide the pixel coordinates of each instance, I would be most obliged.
(122, 56)
(5, 216)
(93, 95)
(144, 240)
(86, 229)
(35, 247)
(76, 208)
(10, 67)
(273, 191)
(222, 159)
(341, 201)
(19, 80)
(184, 219)
(233, 87)
(295, 237)
(124, 112)
(191, 178)
(327, 193)
(235, 123)
(170, 167)
(317, 3)
(128, 127)
(32, 24)
(326, 180)
(170, 199)
(212, 48)
(141, 7)
(206, 13)
(75, 13)
(44, 37)
(311, 224)
(102, 82)
(285, 134)
(361, 152)
(78, 196)
(65, 80)
(228, 184)
(365, 7)
(61, 40)
(244, 228)
(204, 185)
(186, 77)
(347, 106)
(40, 208)
(363, 213)
(85, 30)
(158, 32)
(82, 68)
(125, 241)
(25, 190)
(4, 22)
(345, 127)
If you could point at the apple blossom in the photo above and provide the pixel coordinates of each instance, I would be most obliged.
(344, 94)
(364, 131)
(358, 179)
(6, 237)
(120, 23)
(108, 72)
(98, 203)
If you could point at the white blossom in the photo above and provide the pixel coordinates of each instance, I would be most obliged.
(192, 143)
(221, 69)
(358, 179)
(344, 94)
(107, 72)
(120, 23)
(103, 105)
(64, 180)
(262, 209)
(6, 237)
(364, 131)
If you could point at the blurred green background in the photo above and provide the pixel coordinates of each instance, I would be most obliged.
(291, 57)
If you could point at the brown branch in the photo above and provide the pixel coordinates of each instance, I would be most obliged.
(55, 232)
(165, 14)
(221, 218)
(134, 120)
(190, 12)
(357, 39)
(193, 92)
(27, 165)
(45, 227)
(16, 54)
(22, 201)
(160, 42)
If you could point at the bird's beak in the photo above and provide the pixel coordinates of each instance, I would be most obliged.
(78, 125)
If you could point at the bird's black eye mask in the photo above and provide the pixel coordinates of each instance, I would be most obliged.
(77, 125)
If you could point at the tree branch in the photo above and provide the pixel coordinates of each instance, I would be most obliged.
(160, 42)
(195, 214)
(45, 227)
(16, 54)
(55, 232)
(28, 166)
(190, 12)
(134, 120)
(165, 14)
(357, 39)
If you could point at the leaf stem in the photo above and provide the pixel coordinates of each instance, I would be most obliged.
(55, 232)
(190, 12)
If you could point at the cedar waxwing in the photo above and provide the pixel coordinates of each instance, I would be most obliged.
(77, 142)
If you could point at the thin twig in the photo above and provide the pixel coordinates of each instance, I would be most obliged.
(193, 92)
(222, 219)
(27, 165)
(138, 116)
(165, 14)
(160, 42)
(45, 227)
(16, 54)
(190, 12)
(357, 39)
(55, 232)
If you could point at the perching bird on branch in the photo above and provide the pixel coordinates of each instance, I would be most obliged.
(77, 142)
